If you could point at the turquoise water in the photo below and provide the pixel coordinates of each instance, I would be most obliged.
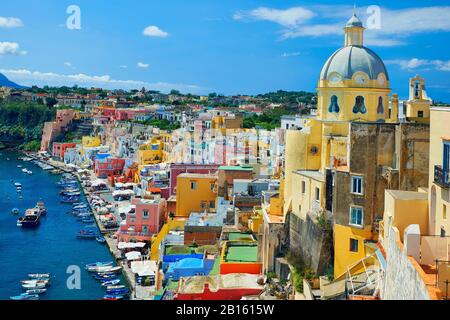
(52, 247)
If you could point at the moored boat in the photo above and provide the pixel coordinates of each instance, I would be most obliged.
(25, 296)
(39, 275)
(99, 264)
(36, 291)
(100, 239)
(30, 219)
(110, 283)
(119, 287)
(113, 297)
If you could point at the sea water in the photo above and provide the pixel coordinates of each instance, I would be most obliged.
(50, 248)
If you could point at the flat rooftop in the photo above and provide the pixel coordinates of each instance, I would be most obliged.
(236, 168)
(236, 236)
(197, 176)
(316, 175)
(241, 253)
(408, 195)
(227, 281)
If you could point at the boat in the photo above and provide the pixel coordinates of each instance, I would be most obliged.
(25, 296)
(111, 270)
(15, 211)
(121, 292)
(19, 166)
(36, 281)
(113, 297)
(36, 291)
(36, 285)
(100, 239)
(41, 207)
(39, 275)
(69, 191)
(100, 269)
(105, 278)
(86, 234)
(70, 199)
(30, 219)
(110, 283)
(115, 287)
(18, 185)
(99, 264)
(24, 170)
(29, 172)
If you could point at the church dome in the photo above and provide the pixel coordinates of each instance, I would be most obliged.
(354, 22)
(351, 59)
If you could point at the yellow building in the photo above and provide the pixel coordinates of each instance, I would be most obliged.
(91, 142)
(195, 193)
(151, 153)
(332, 166)
(418, 105)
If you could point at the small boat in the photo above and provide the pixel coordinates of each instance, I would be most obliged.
(116, 269)
(113, 297)
(100, 269)
(110, 283)
(115, 287)
(30, 219)
(100, 239)
(25, 296)
(99, 264)
(18, 185)
(86, 235)
(19, 166)
(36, 281)
(39, 275)
(36, 291)
(15, 211)
(29, 172)
(36, 285)
(41, 208)
(121, 292)
(25, 170)
(105, 278)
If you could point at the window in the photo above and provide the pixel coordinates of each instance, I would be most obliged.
(145, 229)
(444, 212)
(420, 114)
(353, 245)
(212, 186)
(212, 204)
(357, 185)
(446, 160)
(356, 216)
(303, 187)
(317, 194)
(334, 106)
(203, 205)
(359, 105)
(193, 185)
(380, 108)
(145, 214)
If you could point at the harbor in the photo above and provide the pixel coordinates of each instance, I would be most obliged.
(51, 247)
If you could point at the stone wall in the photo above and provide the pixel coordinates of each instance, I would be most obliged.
(402, 280)
(311, 243)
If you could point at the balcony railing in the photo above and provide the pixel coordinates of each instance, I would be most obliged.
(441, 177)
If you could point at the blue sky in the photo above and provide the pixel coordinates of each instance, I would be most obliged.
(229, 47)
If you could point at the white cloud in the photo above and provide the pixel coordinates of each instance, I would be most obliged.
(154, 31)
(30, 78)
(396, 25)
(288, 18)
(142, 65)
(415, 63)
(123, 67)
(10, 22)
(11, 48)
(68, 64)
(290, 54)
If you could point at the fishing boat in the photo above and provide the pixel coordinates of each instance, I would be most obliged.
(36, 291)
(108, 277)
(68, 191)
(25, 296)
(36, 281)
(39, 275)
(41, 207)
(34, 285)
(100, 239)
(113, 297)
(100, 269)
(15, 211)
(86, 234)
(110, 283)
(70, 199)
(121, 292)
(30, 219)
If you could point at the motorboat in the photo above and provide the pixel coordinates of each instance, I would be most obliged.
(113, 297)
(118, 292)
(100, 269)
(25, 296)
(41, 207)
(116, 269)
(119, 287)
(86, 234)
(34, 285)
(110, 283)
(36, 291)
(25, 170)
(39, 275)
(18, 185)
(100, 239)
(30, 219)
(99, 264)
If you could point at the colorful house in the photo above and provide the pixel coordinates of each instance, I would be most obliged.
(144, 221)
(178, 168)
(195, 193)
(190, 267)
(240, 257)
(108, 167)
(59, 149)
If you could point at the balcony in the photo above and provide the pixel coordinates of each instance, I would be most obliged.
(441, 177)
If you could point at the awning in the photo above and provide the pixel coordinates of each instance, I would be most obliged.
(130, 245)
(144, 268)
(133, 255)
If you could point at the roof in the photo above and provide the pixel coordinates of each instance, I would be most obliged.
(236, 168)
(241, 253)
(197, 176)
(408, 195)
(227, 281)
(351, 59)
(354, 22)
(313, 174)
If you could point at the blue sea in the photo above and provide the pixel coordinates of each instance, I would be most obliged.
(52, 247)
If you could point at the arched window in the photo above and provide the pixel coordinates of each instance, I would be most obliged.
(359, 105)
(380, 109)
(334, 106)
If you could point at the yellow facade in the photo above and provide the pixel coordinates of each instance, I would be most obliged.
(91, 142)
(195, 193)
(151, 153)
(171, 225)
(418, 105)
(439, 194)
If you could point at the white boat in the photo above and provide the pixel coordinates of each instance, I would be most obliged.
(104, 269)
(36, 291)
(33, 285)
(18, 185)
(39, 275)
(30, 172)
(19, 166)
(116, 287)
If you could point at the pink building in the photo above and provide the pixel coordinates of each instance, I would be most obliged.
(52, 129)
(108, 167)
(178, 168)
(144, 221)
(59, 149)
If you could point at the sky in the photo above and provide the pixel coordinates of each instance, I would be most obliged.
(228, 47)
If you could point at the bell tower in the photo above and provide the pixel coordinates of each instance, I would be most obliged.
(418, 104)
(354, 32)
